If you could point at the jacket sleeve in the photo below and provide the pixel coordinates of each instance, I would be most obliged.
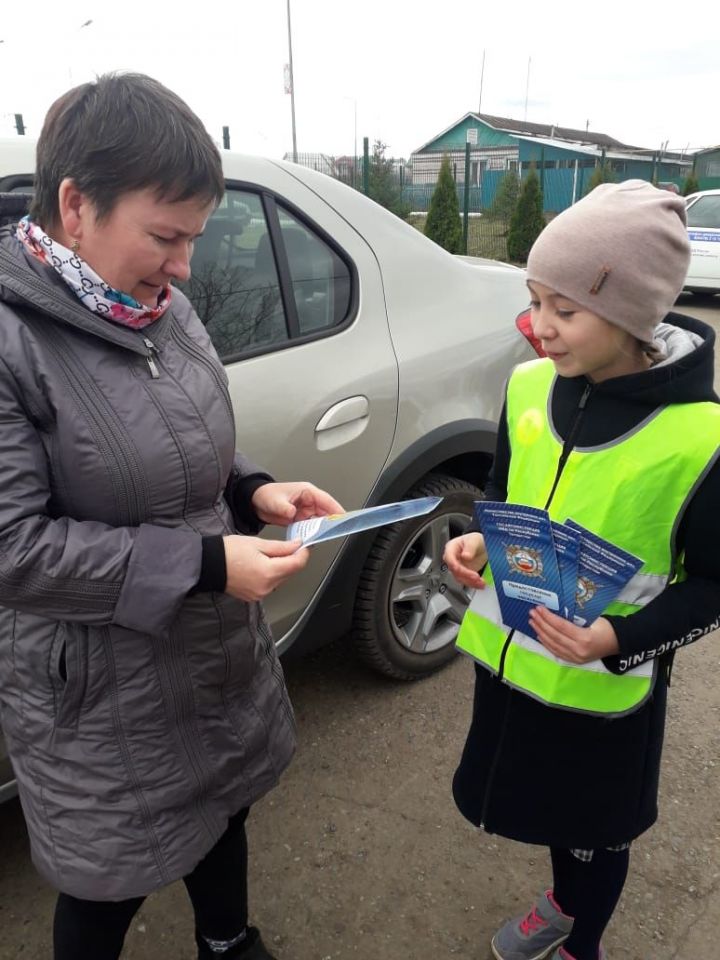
(497, 480)
(83, 571)
(687, 610)
(244, 480)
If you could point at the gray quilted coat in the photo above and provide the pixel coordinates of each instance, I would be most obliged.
(138, 718)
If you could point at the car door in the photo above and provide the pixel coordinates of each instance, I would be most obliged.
(704, 236)
(292, 296)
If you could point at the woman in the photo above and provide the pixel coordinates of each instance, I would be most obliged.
(140, 693)
(618, 429)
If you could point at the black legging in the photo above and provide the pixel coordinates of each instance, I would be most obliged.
(95, 930)
(589, 893)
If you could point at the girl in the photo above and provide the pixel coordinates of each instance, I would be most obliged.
(617, 428)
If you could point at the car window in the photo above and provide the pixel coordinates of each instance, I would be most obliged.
(705, 212)
(234, 283)
(320, 279)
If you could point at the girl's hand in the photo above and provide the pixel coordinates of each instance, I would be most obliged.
(284, 503)
(464, 556)
(570, 642)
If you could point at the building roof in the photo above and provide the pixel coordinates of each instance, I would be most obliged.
(593, 150)
(557, 136)
(527, 129)
(551, 131)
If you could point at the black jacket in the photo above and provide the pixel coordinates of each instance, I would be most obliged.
(545, 775)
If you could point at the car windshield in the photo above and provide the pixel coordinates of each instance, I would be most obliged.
(705, 212)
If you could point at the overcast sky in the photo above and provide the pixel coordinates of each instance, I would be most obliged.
(410, 69)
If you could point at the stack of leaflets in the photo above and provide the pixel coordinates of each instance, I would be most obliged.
(319, 529)
(536, 561)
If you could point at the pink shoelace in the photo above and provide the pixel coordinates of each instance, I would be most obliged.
(532, 923)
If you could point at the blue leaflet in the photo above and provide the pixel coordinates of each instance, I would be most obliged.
(603, 570)
(567, 547)
(319, 529)
(537, 561)
(523, 561)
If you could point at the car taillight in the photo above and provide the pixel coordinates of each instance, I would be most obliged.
(524, 325)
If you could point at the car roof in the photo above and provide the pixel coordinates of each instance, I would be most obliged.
(390, 237)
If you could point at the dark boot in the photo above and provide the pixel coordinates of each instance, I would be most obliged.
(250, 948)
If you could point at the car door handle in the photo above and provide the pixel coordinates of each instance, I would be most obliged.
(353, 408)
(342, 423)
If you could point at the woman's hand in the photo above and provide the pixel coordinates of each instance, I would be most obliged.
(284, 503)
(571, 642)
(256, 567)
(464, 556)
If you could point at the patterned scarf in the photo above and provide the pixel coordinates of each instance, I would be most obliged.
(91, 289)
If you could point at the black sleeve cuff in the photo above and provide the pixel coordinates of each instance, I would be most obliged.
(239, 493)
(213, 572)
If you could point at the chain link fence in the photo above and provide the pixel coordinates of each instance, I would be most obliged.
(415, 183)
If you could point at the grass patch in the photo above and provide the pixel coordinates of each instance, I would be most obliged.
(487, 236)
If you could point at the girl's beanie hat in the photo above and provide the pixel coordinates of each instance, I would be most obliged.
(621, 252)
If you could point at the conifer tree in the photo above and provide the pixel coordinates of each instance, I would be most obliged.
(527, 220)
(443, 224)
(506, 196)
(601, 174)
(690, 185)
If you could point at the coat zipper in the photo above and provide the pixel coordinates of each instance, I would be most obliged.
(187, 344)
(154, 371)
(567, 449)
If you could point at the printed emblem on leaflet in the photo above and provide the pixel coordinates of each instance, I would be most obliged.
(524, 560)
(585, 591)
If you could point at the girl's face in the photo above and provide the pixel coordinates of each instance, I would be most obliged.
(142, 245)
(581, 343)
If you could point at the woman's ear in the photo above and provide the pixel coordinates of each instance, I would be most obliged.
(74, 211)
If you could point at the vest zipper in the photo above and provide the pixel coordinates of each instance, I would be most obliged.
(154, 371)
(570, 440)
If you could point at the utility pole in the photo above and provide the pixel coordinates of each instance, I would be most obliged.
(482, 74)
(19, 124)
(226, 138)
(527, 88)
(292, 85)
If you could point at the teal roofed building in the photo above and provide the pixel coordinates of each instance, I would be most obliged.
(707, 168)
(563, 157)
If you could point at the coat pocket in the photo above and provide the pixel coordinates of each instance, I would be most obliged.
(68, 673)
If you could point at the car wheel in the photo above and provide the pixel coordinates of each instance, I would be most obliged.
(408, 606)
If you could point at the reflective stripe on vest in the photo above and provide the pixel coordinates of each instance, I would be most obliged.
(633, 492)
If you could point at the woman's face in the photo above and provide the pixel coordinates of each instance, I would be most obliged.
(580, 342)
(142, 245)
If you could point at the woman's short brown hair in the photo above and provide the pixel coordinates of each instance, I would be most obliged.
(123, 132)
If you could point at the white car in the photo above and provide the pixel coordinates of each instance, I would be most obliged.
(363, 357)
(703, 212)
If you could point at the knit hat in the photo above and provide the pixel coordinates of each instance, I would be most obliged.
(621, 252)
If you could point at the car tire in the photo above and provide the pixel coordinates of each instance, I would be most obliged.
(408, 606)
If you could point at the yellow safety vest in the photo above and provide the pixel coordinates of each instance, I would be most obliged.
(632, 491)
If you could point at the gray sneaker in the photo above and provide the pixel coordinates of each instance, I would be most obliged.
(534, 936)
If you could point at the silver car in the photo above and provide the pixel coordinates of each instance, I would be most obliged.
(363, 357)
